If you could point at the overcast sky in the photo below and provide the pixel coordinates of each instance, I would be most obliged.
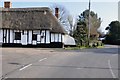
(106, 9)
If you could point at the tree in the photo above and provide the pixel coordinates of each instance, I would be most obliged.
(113, 36)
(81, 31)
(71, 25)
(64, 17)
(95, 22)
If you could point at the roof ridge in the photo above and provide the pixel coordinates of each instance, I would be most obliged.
(27, 9)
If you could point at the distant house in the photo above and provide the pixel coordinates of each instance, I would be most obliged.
(30, 27)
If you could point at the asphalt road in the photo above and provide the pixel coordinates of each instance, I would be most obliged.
(60, 63)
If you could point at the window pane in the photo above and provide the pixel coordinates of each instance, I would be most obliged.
(17, 35)
(34, 37)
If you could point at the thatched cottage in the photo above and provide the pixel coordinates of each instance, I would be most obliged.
(31, 27)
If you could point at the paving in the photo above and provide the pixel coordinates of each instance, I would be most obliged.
(60, 63)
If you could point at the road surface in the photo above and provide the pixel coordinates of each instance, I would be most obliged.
(60, 63)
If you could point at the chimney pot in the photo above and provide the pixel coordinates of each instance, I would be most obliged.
(57, 12)
(7, 4)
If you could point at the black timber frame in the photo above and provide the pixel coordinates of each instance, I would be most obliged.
(41, 45)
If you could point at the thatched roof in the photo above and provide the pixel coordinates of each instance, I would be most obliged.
(30, 19)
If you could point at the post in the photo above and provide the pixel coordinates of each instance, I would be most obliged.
(89, 25)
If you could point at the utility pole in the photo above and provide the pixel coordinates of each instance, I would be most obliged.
(89, 24)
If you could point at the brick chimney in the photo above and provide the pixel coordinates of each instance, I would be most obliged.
(57, 12)
(7, 4)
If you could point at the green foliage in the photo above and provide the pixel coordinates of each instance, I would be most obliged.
(81, 32)
(114, 33)
(95, 21)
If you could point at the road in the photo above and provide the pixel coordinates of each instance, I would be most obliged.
(60, 63)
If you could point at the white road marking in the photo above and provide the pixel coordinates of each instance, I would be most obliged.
(78, 68)
(109, 64)
(42, 59)
(25, 67)
(30, 64)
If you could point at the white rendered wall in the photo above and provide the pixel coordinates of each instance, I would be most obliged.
(4, 35)
(52, 37)
(68, 40)
(24, 38)
(43, 34)
(38, 38)
(11, 36)
(7, 35)
(60, 38)
(1, 36)
(63, 38)
(56, 38)
(30, 37)
(47, 36)
(34, 43)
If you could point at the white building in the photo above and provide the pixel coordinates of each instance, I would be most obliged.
(31, 27)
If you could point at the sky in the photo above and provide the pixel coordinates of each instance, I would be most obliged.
(61, 0)
(107, 10)
(119, 11)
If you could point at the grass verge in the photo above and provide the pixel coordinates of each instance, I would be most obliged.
(82, 47)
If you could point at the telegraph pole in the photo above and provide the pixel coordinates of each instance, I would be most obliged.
(89, 24)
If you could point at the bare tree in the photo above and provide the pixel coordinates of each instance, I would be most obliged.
(71, 24)
(64, 17)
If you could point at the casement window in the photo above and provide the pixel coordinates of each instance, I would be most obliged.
(34, 37)
(17, 35)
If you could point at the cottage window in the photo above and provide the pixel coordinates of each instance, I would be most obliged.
(17, 35)
(34, 37)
